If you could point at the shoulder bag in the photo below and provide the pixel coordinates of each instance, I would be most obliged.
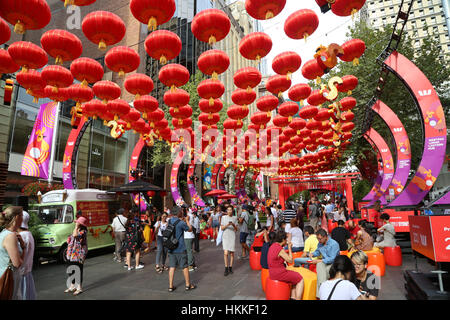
(332, 291)
(7, 283)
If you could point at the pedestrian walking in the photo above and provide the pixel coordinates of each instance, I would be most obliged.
(216, 216)
(196, 226)
(161, 252)
(118, 226)
(12, 250)
(25, 288)
(229, 228)
(189, 237)
(77, 249)
(133, 240)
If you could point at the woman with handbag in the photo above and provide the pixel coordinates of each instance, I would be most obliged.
(77, 250)
(11, 250)
(133, 240)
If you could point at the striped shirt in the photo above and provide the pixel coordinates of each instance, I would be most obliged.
(288, 215)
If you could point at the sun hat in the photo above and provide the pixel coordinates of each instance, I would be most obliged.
(82, 220)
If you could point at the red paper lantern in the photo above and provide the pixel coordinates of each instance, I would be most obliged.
(255, 46)
(349, 83)
(213, 62)
(57, 77)
(103, 28)
(131, 116)
(182, 123)
(308, 112)
(25, 14)
(322, 115)
(27, 55)
(94, 108)
(210, 25)
(347, 116)
(347, 127)
(311, 70)
(327, 134)
(31, 80)
(163, 45)
(267, 104)
(277, 85)
(161, 124)
(155, 116)
(78, 3)
(238, 113)
(182, 112)
(281, 121)
(346, 136)
(312, 124)
(347, 103)
(176, 98)
(243, 97)
(174, 75)
(230, 124)
(138, 84)
(122, 60)
(80, 94)
(7, 64)
(106, 90)
(353, 50)
(152, 12)
(316, 98)
(61, 45)
(297, 124)
(58, 96)
(301, 24)
(247, 78)
(5, 33)
(146, 104)
(209, 119)
(260, 118)
(118, 108)
(299, 92)
(210, 89)
(288, 109)
(204, 106)
(286, 63)
(86, 70)
(264, 9)
(345, 8)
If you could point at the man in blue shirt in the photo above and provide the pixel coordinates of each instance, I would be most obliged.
(178, 256)
(329, 208)
(328, 250)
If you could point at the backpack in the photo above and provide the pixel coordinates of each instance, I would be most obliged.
(170, 240)
(251, 222)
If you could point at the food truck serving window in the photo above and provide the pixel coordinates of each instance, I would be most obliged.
(56, 214)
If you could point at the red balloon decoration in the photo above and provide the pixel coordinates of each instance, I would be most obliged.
(27, 55)
(277, 85)
(255, 46)
(25, 14)
(138, 84)
(349, 83)
(152, 12)
(163, 45)
(5, 33)
(122, 60)
(267, 104)
(146, 104)
(103, 28)
(210, 89)
(345, 8)
(213, 63)
(301, 24)
(106, 90)
(299, 92)
(286, 63)
(311, 70)
(86, 70)
(353, 50)
(61, 45)
(174, 75)
(7, 64)
(210, 25)
(247, 78)
(57, 77)
(264, 9)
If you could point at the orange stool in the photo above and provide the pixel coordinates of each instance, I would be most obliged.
(393, 256)
(277, 290)
(309, 280)
(376, 263)
(264, 276)
(344, 253)
(255, 258)
(294, 256)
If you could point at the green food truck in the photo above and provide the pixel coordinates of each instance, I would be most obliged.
(58, 211)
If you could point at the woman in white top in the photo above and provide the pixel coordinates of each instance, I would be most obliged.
(161, 252)
(25, 288)
(295, 236)
(229, 226)
(270, 220)
(388, 233)
(340, 286)
(339, 215)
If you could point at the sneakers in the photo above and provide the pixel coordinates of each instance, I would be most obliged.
(130, 268)
(139, 266)
(191, 269)
(212, 240)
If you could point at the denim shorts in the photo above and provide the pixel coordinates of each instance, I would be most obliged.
(215, 224)
(243, 237)
(178, 260)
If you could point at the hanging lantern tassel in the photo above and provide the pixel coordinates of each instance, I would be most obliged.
(269, 114)
(102, 45)
(59, 60)
(210, 116)
(349, 92)
(354, 11)
(55, 89)
(215, 76)
(289, 75)
(269, 14)
(249, 89)
(19, 28)
(211, 101)
(163, 60)
(318, 80)
(121, 73)
(355, 62)
(152, 24)
(280, 94)
(84, 83)
(305, 36)
(212, 40)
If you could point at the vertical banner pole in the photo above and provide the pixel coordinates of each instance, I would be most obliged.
(55, 137)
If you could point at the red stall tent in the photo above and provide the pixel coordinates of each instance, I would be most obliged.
(335, 182)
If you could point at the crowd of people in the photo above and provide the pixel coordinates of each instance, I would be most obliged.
(175, 233)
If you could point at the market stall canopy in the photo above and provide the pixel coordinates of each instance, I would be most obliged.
(227, 196)
(137, 186)
(214, 193)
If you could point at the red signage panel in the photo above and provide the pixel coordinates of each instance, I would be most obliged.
(440, 228)
(96, 212)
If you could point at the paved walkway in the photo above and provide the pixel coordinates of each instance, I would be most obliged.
(106, 279)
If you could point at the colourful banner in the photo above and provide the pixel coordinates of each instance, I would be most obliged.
(403, 150)
(435, 134)
(134, 161)
(214, 176)
(191, 186)
(221, 177)
(376, 186)
(207, 176)
(174, 179)
(37, 156)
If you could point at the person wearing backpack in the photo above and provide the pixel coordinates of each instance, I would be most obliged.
(244, 229)
(173, 240)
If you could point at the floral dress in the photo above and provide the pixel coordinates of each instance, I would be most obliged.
(133, 237)
(77, 248)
